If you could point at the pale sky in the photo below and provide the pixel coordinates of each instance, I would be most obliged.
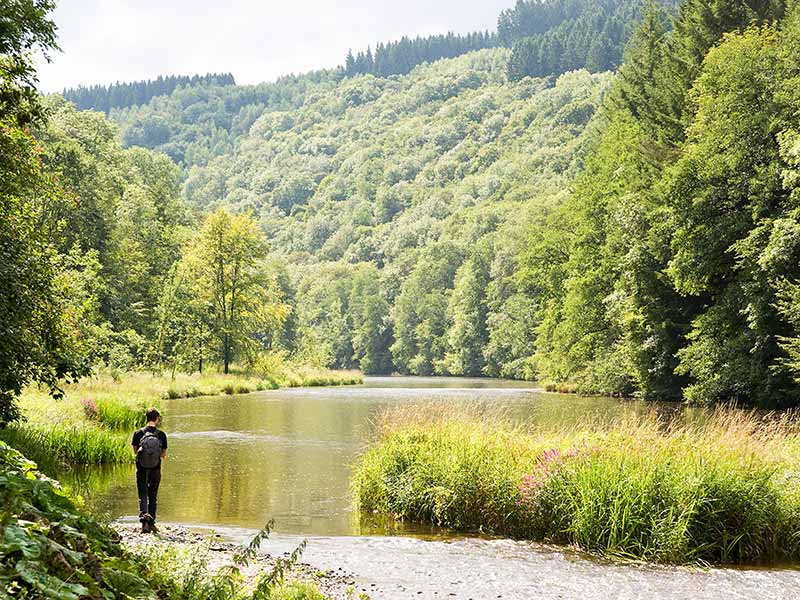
(104, 41)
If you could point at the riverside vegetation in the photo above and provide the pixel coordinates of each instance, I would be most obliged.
(52, 549)
(724, 489)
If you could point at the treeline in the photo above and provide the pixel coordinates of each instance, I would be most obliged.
(548, 37)
(556, 36)
(122, 95)
(398, 58)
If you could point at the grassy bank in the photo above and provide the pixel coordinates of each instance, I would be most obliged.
(727, 490)
(93, 422)
(51, 548)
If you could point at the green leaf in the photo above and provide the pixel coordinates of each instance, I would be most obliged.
(128, 585)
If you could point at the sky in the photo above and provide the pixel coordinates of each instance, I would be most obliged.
(105, 41)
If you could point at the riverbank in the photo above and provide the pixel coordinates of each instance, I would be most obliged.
(92, 423)
(172, 542)
(52, 548)
(726, 490)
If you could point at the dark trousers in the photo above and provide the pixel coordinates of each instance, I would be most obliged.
(147, 481)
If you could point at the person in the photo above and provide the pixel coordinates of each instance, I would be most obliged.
(150, 447)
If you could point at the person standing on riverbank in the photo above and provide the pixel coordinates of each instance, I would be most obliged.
(150, 447)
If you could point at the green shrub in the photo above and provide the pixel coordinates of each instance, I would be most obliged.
(50, 548)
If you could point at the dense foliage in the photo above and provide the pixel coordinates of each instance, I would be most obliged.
(679, 262)
(434, 231)
(39, 337)
(123, 95)
(398, 58)
(556, 36)
(400, 201)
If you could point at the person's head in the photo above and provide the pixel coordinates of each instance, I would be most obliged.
(152, 415)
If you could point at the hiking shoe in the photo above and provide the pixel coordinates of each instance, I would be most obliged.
(146, 521)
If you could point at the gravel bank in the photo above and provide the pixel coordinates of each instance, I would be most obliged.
(336, 585)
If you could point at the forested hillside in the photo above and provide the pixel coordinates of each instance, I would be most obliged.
(403, 201)
(436, 230)
(627, 233)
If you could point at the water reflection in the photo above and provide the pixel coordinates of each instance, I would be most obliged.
(286, 454)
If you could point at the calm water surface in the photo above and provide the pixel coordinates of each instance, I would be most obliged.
(286, 454)
(237, 461)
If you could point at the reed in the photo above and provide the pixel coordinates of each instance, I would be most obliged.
(725, 489)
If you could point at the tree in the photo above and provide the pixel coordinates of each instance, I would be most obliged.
(467, 335)
(372, 331)
(24, 28)
(39, 340)
(420, 313)
(225, 261)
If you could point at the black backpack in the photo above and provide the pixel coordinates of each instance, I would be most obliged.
(149, 450)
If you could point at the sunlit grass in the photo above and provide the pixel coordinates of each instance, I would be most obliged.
(725, 489)
(93, 422)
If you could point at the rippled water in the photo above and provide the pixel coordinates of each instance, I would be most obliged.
(237, 461)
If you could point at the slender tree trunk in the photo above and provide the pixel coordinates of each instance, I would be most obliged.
(226, 351)
(200, 350)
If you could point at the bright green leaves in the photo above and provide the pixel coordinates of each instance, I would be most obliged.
(52, 550)
(732, 242)
(682, 232)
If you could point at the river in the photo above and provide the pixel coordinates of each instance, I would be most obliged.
(236, 462)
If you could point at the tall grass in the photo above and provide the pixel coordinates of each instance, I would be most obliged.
(726, 490)
(53, 445)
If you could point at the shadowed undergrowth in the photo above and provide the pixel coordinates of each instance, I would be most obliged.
(717, 491)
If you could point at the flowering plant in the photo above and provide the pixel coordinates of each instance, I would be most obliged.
(90, 408)
(548, 464)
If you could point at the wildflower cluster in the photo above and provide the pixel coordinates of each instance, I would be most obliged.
(90, 408)
(549, 463)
